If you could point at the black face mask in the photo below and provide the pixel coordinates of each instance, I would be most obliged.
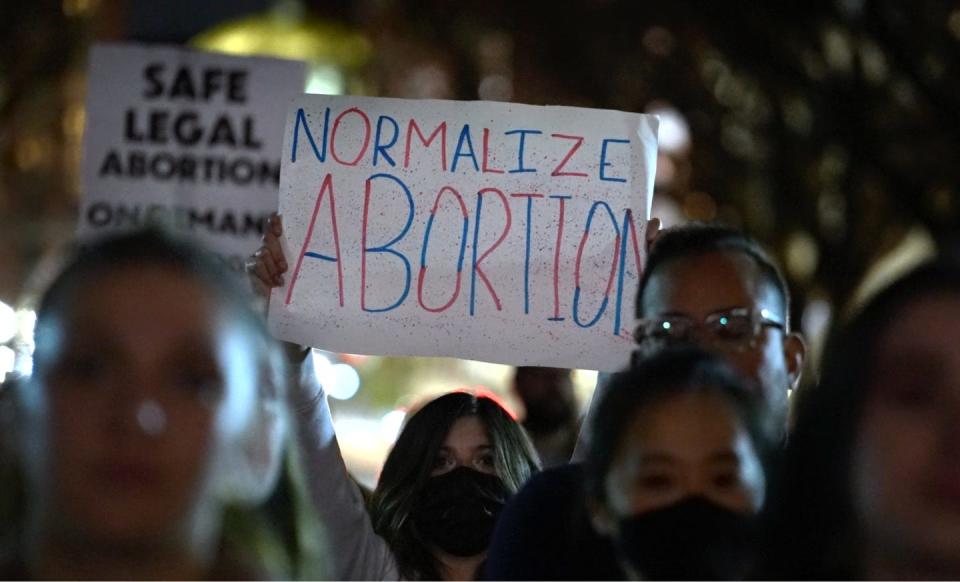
(694, 539)
(457, 510)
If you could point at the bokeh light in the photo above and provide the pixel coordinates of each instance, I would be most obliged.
(674, 132)
(8, 323)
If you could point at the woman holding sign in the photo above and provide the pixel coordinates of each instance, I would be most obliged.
(450, 472)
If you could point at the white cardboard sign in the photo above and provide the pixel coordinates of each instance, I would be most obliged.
(186, 137)
(488, 231)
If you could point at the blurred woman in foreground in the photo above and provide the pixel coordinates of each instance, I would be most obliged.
(153, 404)
(872, 482)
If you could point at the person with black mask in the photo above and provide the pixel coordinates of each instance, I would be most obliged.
(551, 417)
(455, 464)
(452, 469)
(675, 470)
(704, 285)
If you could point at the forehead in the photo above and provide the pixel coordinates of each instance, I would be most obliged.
(467, 432)
(702, 284)
(692, 424)
(151, 300)
(926, 324)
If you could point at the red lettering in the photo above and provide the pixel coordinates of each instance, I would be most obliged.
(423, 268)
(613, 266)
(366, 136)
(327, 185)
(577, 142)
(363, 246)
(556, 259)
(493, 247)
(631, 224)
(441, 129)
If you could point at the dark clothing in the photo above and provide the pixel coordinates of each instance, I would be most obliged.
(544, 533)
(230, 565)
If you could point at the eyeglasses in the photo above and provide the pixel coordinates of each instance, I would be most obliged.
(732, 329)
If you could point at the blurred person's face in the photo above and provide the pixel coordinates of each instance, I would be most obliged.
(548, 398)
(682, 490)
(700, 286)
(142, 378)
(690, 445)
(906, 469)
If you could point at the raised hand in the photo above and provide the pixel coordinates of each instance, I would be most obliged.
(652, 232)
(267, 265)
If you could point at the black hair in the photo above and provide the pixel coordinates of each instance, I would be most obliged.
(696, 239)
(668, 373)
(814, 533)
(521, 370)
(412, 460)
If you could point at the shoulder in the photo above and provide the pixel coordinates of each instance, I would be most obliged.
(534, 526)
(546, 499)
(12, 564)
(554, 482)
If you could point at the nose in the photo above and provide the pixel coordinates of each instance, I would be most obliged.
(135, 412)
(151, 418)
(700, 336)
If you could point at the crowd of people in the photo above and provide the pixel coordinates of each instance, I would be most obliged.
(159, 407)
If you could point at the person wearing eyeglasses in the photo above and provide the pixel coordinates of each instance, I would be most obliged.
(717, 288)
(711, 286)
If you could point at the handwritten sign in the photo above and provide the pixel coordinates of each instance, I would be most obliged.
(487, 231)
(185, 137)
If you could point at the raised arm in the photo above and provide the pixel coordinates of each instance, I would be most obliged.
(357, 552)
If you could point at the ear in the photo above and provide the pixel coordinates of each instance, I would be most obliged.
(795, 353)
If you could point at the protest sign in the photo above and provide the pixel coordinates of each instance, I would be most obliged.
(488, 231)
(185, 137)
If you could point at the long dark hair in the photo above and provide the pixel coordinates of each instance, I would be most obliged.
(813, 524)
(411, 462)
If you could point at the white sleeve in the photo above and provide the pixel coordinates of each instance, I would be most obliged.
(356, 551)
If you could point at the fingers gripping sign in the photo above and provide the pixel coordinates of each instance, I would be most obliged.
(652, 232)
(268, 264)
